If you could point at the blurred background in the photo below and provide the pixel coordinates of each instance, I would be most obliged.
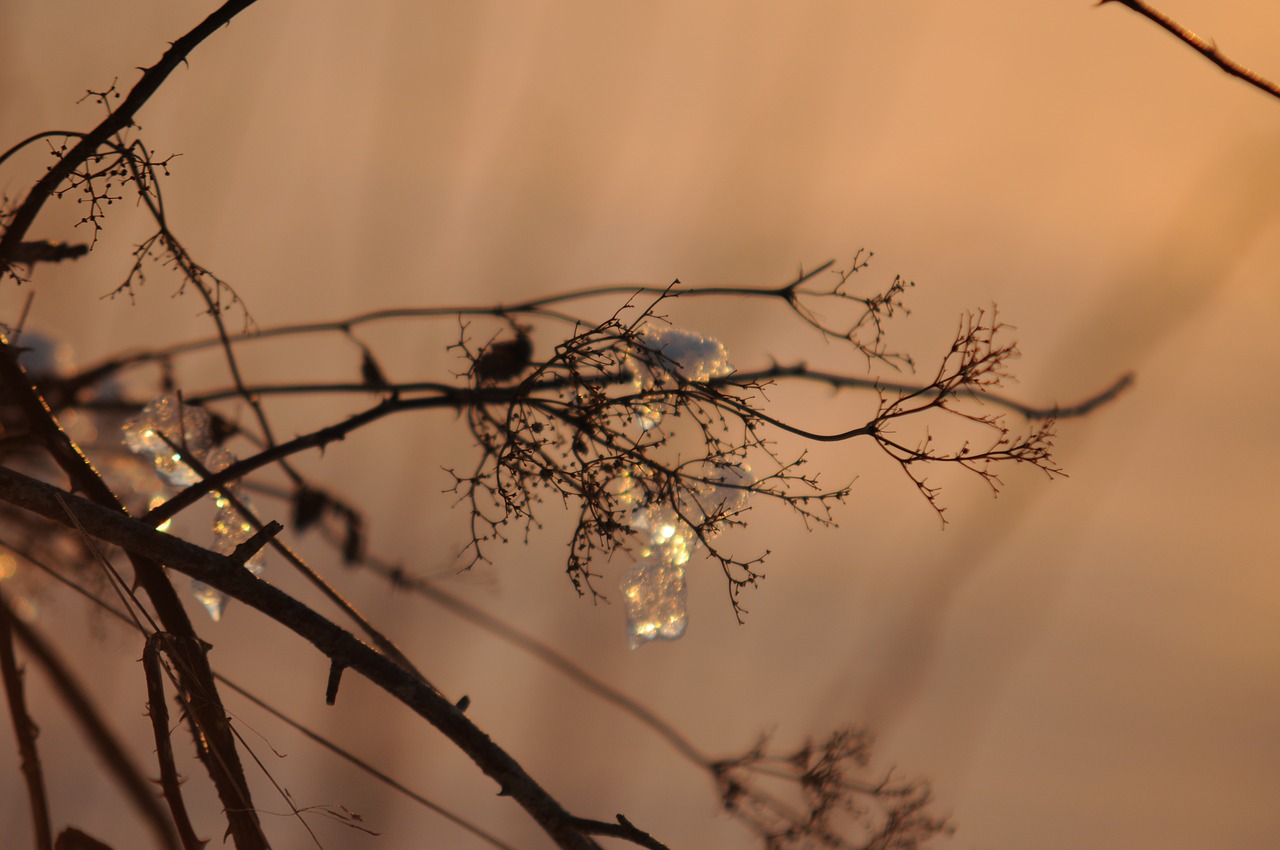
(1084, 662)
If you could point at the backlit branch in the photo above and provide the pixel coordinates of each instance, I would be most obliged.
(1205, 47)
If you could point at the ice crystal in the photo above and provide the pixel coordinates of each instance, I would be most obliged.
(669, 357)
(684, 354)
(167, 423)
(653, 588)
(655, 599)
(230, 529)
(165, 430)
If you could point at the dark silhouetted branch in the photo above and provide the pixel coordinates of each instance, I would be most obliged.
(101, 738)
(337, 644)
(170, 782)
(25, 731)
(214, 742)
(121, 117)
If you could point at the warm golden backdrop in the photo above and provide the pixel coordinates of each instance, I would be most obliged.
(1089, 662)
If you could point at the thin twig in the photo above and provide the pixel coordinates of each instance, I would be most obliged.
(549, 656)
(369, 769)
(121, 117)
(331, 593)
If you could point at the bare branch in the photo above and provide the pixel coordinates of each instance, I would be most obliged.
(101, 738)
(117, 120)
(310, 734)
(170, 783)
(25, 731)
(334, 642)
(1205, 47)
(214, 743)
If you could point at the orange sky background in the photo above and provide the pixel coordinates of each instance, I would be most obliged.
(1083, 663)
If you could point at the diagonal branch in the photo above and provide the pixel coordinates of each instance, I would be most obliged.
(170, 783)
(1205, 47)
(216, 746)
(26, 732)
(339, 645)
(100, 737)
(120, 118)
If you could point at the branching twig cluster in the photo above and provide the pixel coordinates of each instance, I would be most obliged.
(834, 801)
(642, 430)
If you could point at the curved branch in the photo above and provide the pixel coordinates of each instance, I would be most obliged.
(47, 134)
(1069, 411)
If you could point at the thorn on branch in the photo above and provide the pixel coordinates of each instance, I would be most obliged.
(1207, 48)
(335, 678)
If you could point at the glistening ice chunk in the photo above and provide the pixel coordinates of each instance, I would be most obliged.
(655, 596)
(654, 588)
(213, 601)
(668, 539)
(685, 354)
(230, 529)
(673, 355)
(185, 426)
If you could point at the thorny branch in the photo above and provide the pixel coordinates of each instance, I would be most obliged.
(335, 643)
(607, 424)
(99, 735)
(89, 145)
(74, 583)
(214, 743)
(1205, 47)
(580, 423)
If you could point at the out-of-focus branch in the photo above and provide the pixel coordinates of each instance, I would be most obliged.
(25, 731)
(1205, 47)
(340, 646)
(130, 622)
(100, 736)
(214, 742)
(170, 783)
